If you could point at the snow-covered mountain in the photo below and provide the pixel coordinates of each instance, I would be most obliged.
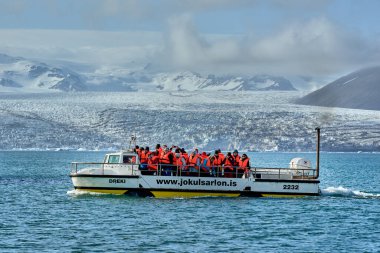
(359, 90)
(190, 81)
(19, 74)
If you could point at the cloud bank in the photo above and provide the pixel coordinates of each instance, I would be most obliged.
(316, 47)
(311, 47)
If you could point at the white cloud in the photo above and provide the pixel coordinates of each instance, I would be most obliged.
(97, 48)
(317, 47)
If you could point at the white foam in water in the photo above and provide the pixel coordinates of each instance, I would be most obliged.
(344, 192)
(79, 193)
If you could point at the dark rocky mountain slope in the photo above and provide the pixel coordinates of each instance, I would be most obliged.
(358, 90)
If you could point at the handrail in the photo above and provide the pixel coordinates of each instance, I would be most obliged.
(213, 171)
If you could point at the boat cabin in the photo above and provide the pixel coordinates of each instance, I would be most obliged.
(123, 157)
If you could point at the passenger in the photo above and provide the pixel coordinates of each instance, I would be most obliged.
(194, 163)
(153, 160)
(159, 149)
(139, 151)
(205, 165)
(147, 150)
(236, 157)
(243, 165)
(229, 166)
(213, 168)
(174, 162)
(144, 154)
(221, 154)
(218, 162)
(136, 149)
(185, 155)
(167, 161)
(180, 162)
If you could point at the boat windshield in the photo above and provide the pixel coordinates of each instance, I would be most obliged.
(113, 158)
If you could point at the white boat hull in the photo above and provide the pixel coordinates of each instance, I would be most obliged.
(183, 186)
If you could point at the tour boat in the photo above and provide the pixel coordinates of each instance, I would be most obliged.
(122, 173)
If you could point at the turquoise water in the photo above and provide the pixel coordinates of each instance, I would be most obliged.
(40, 212)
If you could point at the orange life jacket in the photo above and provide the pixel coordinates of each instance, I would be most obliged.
(165, 158)
(180, 162)
(194, 160)
(186, 156)
(218, 161)
(153, 163)
(144, 157)
(237, 159)
(206, 164)
(244, 164)
(229, 162)
(160, 151)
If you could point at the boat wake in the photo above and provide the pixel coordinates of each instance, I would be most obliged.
(345, 192)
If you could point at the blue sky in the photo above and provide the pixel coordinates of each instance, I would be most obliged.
(229, 17)
(318, 39)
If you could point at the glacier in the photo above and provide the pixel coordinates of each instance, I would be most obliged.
(244, 120)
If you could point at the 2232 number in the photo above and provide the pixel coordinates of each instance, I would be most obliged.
(290, 187)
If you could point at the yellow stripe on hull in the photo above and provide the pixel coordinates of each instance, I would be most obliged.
(173, 194)
(268, 195)
(105, 191)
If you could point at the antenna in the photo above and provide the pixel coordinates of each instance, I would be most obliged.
(132, 142)
(318, 150)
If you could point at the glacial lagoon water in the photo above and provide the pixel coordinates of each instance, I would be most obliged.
(40, 211)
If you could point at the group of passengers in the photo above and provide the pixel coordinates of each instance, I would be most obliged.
(176, 160)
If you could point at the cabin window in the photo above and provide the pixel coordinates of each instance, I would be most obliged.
(129, 159)
(113, 159)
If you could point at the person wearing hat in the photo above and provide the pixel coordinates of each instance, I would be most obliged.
(236, 157)
(221, 155)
